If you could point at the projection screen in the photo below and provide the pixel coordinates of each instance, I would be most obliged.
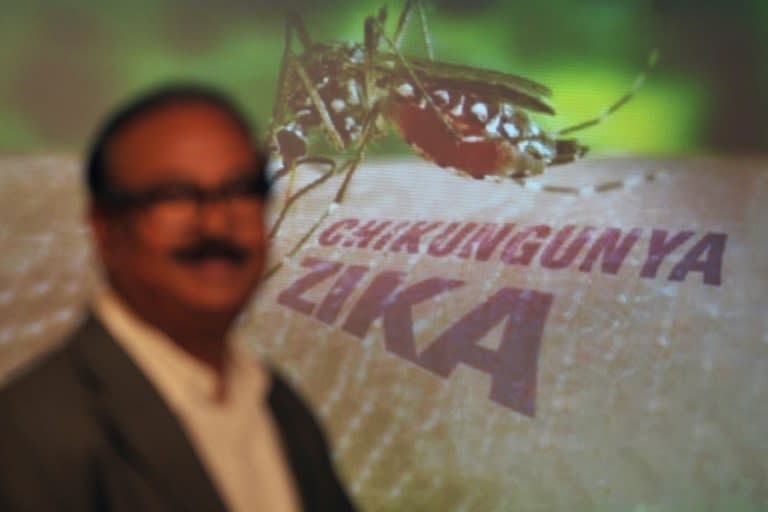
(589, 337)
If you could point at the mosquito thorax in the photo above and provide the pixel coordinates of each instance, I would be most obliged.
(335, 101)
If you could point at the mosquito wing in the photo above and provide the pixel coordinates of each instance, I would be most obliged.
(471, 73)
(488, 84)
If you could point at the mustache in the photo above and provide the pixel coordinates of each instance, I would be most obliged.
(210, 248)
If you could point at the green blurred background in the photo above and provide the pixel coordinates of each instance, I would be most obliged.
(63, 65)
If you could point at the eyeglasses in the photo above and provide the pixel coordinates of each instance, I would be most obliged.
(179, 203)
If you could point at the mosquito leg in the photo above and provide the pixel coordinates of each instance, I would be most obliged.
(291, 171)
(303, 240)
(349, 167)
(291, 199)
(369, 129)
(298, 245)
(327, 125)
(416, 80)
(651, 62)
(286, 198)
(306, 160)
(289, 64)
(281, 173)
(352, 164)
(296, 23)
(605, 186)
(321, 160)
(402, 21)
(425, 31)
(293, 24)
(568, 150)
(289, 186)
(320, 107)
(329, 128)
(587, 190)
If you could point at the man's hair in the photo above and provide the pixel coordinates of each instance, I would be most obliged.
(97, 164)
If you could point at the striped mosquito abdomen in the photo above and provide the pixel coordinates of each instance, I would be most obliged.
(478, 136)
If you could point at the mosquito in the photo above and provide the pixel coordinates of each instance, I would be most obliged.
(474, 120)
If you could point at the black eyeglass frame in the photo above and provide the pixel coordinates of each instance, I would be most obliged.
(253, 184)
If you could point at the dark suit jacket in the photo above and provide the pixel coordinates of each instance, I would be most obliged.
(85, 430)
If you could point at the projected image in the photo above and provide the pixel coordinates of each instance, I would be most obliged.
(474, 120)
(516, 248)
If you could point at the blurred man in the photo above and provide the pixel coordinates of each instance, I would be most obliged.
(148, 406)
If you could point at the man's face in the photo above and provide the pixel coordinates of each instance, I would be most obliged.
(155, 253)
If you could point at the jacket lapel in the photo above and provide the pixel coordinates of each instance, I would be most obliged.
(138, 423)
(306, 450)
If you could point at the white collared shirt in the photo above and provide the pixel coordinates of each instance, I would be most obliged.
(235, 437)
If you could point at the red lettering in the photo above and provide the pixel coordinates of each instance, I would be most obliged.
(339, 293)
(330, 237)
(513, 366)
(659, 248)
(439, 247)
(382, 299)
(705, 257)
(367, 232)
(549, 258)
(320, 270)
(412, 237)
(606, 245)
(510, 254)
(389, 235)
(485, 241)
